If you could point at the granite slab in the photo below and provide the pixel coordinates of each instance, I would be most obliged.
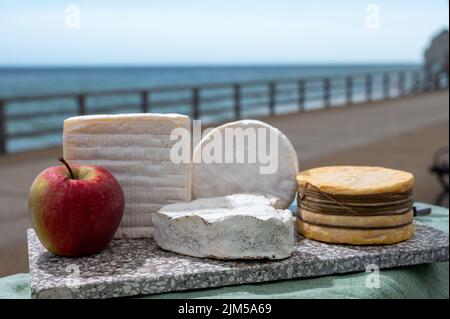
(130, 267)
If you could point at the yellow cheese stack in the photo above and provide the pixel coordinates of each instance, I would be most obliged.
(356, 205)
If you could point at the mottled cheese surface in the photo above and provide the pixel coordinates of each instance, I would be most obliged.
(240, 226)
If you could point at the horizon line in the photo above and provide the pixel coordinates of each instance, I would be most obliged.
(241, 64)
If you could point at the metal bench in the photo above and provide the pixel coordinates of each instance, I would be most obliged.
(440, 169)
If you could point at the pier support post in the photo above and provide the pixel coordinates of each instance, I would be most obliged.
(272, 98)
(326, 92)
(145, 98)
(195, 103)
(2, 128)
(386, 78)
(416, 85)
(401, 84)
(81, 105)
(349, 90)
(369, 87)
(301, 95)
(237, 101)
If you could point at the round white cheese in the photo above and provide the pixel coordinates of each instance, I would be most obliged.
(259, 159)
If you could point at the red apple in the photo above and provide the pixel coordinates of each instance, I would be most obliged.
(75, 210)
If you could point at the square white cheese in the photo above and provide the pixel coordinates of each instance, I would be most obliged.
(135, 148)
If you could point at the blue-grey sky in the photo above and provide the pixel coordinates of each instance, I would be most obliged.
(217, 32)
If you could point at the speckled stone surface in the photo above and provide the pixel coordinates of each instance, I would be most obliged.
(130, 267)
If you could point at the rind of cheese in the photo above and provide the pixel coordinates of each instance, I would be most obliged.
(354, 236)
(202, 207)
(132, 124)
(355, 221)
(135, 148)
(356, 180)
(240, 226)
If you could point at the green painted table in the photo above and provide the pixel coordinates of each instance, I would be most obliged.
(421, 281)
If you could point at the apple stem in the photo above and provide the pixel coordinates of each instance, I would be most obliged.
(62, 160)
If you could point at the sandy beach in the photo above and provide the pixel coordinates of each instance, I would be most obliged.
(403, 133)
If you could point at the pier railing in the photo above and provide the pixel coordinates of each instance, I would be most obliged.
(28, 118)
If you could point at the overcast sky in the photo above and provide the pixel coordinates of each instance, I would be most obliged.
(217, 32)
